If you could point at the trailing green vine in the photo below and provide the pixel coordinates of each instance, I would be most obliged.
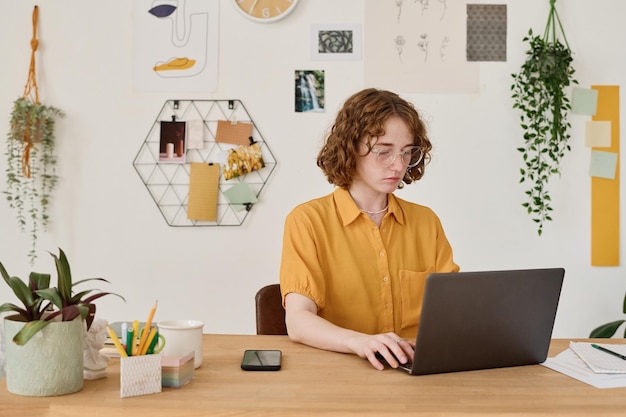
(31, 161)
(538, 90)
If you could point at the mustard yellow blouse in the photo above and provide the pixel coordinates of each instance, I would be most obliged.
(362, 277)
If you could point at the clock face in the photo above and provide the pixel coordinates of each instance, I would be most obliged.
(265, 10)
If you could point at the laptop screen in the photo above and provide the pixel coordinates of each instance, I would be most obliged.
(491, 319)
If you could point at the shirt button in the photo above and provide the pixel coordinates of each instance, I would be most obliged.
(384, 230)
(385, 279)
(382, 254)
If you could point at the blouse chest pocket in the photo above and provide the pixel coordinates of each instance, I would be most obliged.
(412, 285)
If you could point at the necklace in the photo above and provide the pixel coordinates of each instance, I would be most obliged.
(374, 213)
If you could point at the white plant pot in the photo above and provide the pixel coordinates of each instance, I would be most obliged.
(49, 364)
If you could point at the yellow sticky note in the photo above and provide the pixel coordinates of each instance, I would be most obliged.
(203, 190)
(598, 133)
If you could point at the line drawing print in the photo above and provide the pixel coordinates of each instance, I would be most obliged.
(419, 46)
(182, 28)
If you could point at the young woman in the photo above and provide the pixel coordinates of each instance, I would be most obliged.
(354, 262)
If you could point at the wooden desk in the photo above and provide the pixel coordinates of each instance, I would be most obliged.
(314, 382)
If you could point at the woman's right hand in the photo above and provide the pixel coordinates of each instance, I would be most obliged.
(389, 346)
(305, 326)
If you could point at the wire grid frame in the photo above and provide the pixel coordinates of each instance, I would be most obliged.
(168, 183)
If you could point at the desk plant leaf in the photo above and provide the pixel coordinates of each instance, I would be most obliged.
(609, 329)
(538, 90)
(42, 304)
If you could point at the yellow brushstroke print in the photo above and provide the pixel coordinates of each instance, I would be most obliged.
(176, 64)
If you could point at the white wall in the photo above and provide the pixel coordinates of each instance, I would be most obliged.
(106, 221)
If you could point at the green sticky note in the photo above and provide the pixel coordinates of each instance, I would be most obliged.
(603, 164)
(584, 101)
(239, 195)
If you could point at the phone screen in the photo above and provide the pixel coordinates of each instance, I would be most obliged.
(261, 360)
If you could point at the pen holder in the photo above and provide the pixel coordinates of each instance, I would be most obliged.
(140, 375)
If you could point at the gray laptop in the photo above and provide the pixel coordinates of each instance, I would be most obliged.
(482, 320)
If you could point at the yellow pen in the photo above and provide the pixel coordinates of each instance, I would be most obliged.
(135, 336)
(116, 342)
(149, 340)
(144, 334)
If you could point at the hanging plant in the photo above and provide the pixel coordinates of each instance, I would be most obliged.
(538, 90)
(31, 175)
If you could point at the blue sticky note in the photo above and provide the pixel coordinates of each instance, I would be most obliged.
(603, 164)
(584, 101)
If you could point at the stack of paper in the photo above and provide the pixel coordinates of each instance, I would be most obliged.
(601, 362)
(590, 365)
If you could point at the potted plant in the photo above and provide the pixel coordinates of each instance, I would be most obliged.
(31, 160)
(609, 329)
(44, 338)
(538, 90)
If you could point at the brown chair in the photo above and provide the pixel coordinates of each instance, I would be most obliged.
(270, 314)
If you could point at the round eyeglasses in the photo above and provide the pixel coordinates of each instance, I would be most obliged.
(410, 156)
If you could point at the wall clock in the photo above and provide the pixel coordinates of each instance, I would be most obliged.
(265, 11)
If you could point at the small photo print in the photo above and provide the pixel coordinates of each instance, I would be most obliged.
(336, 42)
(172, 142)
(309, 90)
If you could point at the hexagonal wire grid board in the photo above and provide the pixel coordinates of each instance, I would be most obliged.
(168, 183)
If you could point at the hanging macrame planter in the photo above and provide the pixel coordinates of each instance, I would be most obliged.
(31, 175)
(538, 91)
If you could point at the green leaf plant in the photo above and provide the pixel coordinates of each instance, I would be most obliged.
(42, 304)
(538, 91)
(31, 162)
(609, 329)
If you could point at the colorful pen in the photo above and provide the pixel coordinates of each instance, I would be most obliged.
(116, 342)
(153, 343)
(122, 336)
(130, 341)
(149, 340)
(135, 335)
(144, 334)
(610, 352)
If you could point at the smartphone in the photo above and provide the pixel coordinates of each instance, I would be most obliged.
(261, 360)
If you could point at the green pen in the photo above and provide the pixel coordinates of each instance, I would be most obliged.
(610, 352)
(153, 344)
(130, 341)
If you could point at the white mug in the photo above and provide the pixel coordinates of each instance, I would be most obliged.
(181, 337)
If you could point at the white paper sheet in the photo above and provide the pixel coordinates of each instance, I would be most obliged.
(570, 364)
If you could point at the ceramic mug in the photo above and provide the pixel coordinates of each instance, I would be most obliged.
(182, 336)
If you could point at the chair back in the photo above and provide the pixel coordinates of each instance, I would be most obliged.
(270, 314)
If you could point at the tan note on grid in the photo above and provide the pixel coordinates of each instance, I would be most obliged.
(203, 186)
(237, 133)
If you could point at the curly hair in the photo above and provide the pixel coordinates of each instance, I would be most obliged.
(362, 119)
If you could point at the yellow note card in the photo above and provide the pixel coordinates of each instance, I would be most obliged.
(237, 133)
(203, 186)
